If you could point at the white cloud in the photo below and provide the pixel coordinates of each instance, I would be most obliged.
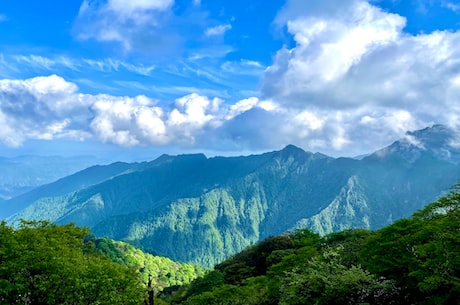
(50, 107)
(39, 108)
(8, 135)
(47, 63)
(138, 121)
(218, 30)
(366, 80)
(110, 64)
(135, 24)
(121, 120)
(329, 45)
(242, 106)
(452, 6)
(243, 66)
(51, 63)
(129, 9)
(353, 82)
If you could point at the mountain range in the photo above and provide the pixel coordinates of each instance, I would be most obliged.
(23, 173)
(202, 210)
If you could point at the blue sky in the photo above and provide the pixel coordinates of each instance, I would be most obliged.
(133, 79)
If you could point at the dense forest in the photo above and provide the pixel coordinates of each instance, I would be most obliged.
(43, 263)
(413, 261)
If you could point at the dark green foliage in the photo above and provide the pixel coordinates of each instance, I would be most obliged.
(41, 263)
(413, 261)
(350, 243)
(305, 237)
(253, 261)
(421, 254)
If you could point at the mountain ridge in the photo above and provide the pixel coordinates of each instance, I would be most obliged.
(22, 174)
(201, 210)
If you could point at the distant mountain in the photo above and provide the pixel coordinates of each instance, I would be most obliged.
(201, 210)
(22, 174)
(439, 142)
(80, 180)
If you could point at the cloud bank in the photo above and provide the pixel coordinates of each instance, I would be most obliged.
(51, 107)
(355, 69)
(352, 81)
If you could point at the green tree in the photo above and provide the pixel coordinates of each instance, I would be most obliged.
(438, 250)
(42, 263)
(421, 254)
(350, 242)
(253, 261)
(162, 271)
(325, 279)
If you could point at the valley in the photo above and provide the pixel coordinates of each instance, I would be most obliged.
(202, 210)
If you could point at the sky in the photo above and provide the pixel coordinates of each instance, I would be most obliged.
(130, 80)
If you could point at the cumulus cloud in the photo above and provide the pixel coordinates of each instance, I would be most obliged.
(39, 108)
(115, 117)
(353, 82)
(138, 121)
(358, 78)
(51, 107)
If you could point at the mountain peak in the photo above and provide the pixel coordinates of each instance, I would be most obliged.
(438, 141)
(431, 138)
(292, 149)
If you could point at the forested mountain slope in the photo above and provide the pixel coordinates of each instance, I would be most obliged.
(201, 210)
(412, 261)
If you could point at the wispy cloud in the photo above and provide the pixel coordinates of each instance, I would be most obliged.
(181, 90)
(51, 63)
(452, 6)
(218, 30)
(243, 66)
(220, 51)
(209, 76)
(47, 63)
(136, 25)
(115, 65)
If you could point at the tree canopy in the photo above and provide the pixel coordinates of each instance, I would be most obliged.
(412, 261)
(43, 263)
